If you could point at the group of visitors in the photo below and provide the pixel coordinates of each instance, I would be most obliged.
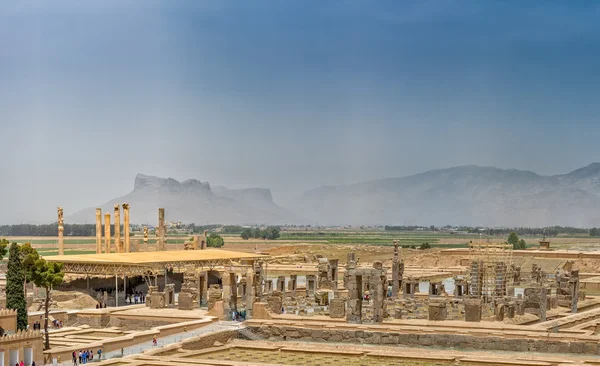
(84, 356)
(238, 316)
(100, 306)
(136, 297)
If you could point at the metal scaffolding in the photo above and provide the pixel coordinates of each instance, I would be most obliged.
(491, 270)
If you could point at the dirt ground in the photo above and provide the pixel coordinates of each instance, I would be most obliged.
(364, 253)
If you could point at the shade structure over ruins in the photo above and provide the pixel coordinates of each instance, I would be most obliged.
(139, 262)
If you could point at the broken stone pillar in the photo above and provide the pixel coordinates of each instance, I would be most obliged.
(258, 281)
(269, 287)
(543, 303)
(310, 285)
(117, 218)
(127, 248)
(499, 312)
(107, 232)
(395, 271)
(574, 285)
(204, 240)
(333, 272)
(293, 285)
(378, 286)
(215, 294)
(161, 245)
(61, 230)
(472, 309)
(510, 310)
(520, 305)
(229, 293)
(250, 286)
(437, 310)
(146, 238)
(281, 284)
(337, 308)
(98, 230)
(275, 302)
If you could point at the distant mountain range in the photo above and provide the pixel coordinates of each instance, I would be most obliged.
(465, 195)
(193, 201)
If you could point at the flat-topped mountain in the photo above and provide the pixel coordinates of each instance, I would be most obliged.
(192, 201)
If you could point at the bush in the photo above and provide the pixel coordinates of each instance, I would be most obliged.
(215, 241)
(425, 246)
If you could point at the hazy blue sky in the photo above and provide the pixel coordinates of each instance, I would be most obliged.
(287, 94)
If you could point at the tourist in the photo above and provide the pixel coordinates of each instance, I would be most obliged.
(74, 358)
(32, 363)
(22, 363)
(99, 354)
(80, 357)
(154, 343)
(91, 354)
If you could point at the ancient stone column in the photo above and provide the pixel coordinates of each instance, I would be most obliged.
(98, 230)
(250, 289)
(107, 232)
(146, 238)
(126, 226)
(61, 229)
(161, 245)
(204, 240)
(293, 285)
(117, 219)
(543, 303)
(395, 271)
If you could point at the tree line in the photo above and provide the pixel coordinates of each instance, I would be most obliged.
(268, 233)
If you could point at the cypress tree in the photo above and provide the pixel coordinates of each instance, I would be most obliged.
(15, 294)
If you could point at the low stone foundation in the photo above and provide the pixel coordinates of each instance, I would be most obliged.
(274, 332)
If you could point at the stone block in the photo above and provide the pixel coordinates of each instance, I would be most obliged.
(185, 301)
(337, 308)
(472, 310)
(438, 310)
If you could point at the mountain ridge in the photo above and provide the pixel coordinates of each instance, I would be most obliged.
(462, 195)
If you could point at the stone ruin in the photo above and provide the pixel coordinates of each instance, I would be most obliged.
(567, 289)
(327, 273)
(214, 294)
(189, 294)
(360, 280)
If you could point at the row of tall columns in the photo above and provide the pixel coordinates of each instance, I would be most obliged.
(119, 248)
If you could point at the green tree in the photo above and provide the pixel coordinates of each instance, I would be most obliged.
(215, 241)
(28, 257)
(15, 292)
(3, 248)
(513, 239)
(246, 233)
(271, 233)
(522, 245)
(47, 275)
